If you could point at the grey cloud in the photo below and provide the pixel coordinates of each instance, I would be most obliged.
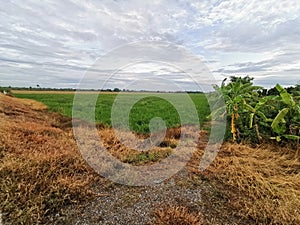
(57, 41)
(253, 37)
(249, 67)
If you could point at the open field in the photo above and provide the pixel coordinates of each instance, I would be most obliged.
(44, 179)
(141, 113)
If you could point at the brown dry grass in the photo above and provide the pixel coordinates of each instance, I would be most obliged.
(262, 183)
(70, 92)
(41, 92)
(176, 215)
(32, 104)
(128, 155)
(40, 170)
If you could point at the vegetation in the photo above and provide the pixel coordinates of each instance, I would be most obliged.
(254, 115)
(141, 113)
(42, 172)
(260, 183)
(5, 90)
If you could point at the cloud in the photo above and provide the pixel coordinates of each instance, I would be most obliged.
(54, 42)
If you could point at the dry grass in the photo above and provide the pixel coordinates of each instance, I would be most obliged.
(31, 104)
(15, 105)
(262, 183)
(41, 92)
(41, 170)
(69, 92)
(136, 157)
(176, 215)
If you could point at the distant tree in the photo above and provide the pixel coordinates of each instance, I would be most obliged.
(38, 86)
(116, 90)
(296, 91)
(243, 80)
(272, 91)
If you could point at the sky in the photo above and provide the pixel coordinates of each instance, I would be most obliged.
(53, 43)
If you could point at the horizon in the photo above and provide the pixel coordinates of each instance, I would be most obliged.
(35, 88)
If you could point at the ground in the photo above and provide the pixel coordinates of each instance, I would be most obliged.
(44, 179)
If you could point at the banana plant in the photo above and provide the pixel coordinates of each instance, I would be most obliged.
(235, 95)
(290, 112)
(257, 115)
(238, 95)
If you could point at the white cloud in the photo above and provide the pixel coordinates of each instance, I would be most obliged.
(54, 42)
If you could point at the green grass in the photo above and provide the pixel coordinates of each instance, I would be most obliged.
(141, 112)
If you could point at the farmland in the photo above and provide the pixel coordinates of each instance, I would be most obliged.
(253, 180)
(141, 113)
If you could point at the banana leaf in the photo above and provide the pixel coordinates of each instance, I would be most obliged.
(278, 119)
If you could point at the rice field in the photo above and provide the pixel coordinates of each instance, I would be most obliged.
(148, 106)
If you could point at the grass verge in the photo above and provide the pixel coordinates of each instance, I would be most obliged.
(259, 183)
(41, 170)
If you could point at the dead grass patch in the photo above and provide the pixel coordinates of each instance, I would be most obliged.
(132, 156)
(35, 105)
(262, 183)
(176, 215)
(16, 103)
(41, 170)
